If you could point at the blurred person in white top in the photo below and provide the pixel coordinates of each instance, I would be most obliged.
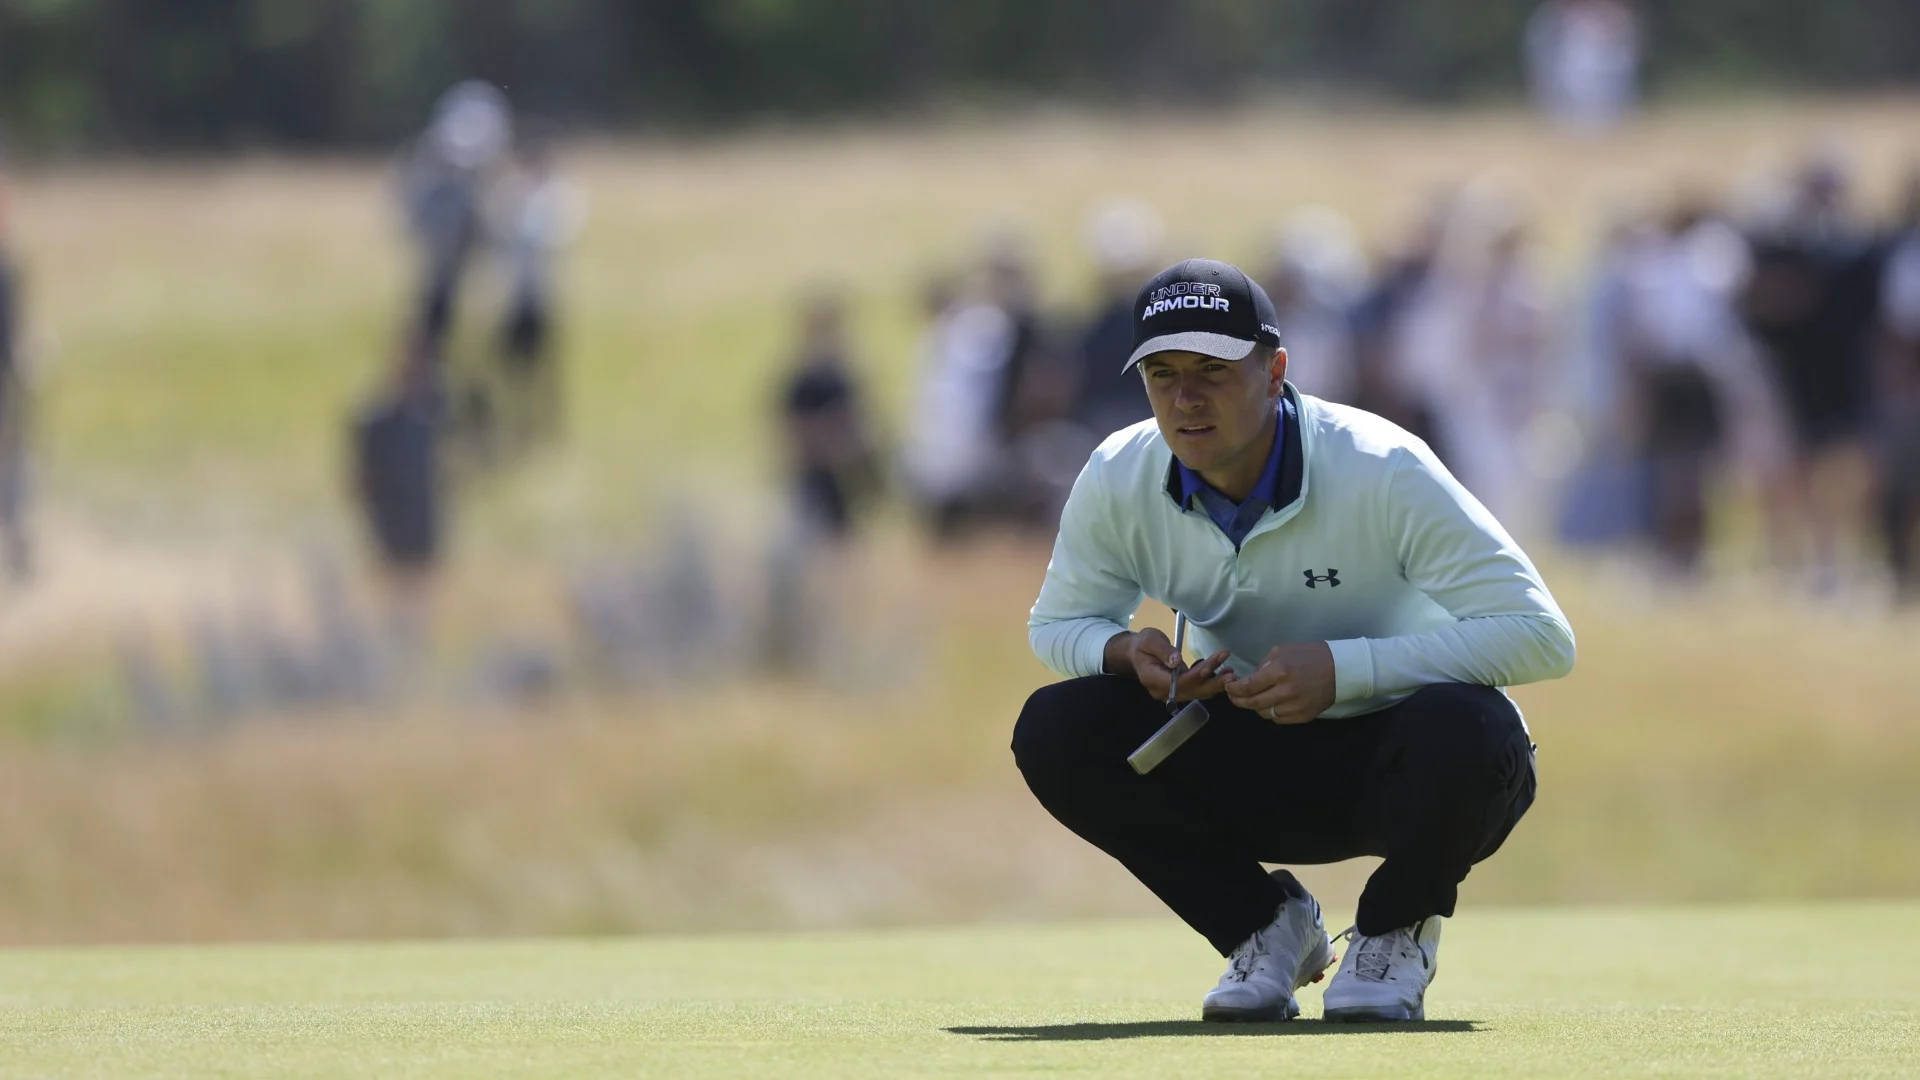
(1471, 344)
(1509, 327)
(1583, 57)
(953, 456)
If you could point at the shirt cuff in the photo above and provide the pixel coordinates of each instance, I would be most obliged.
(1090, 652)
(1352, 669)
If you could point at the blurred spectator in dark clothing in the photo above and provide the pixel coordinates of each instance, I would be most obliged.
(1380, 325)
(833, 465)
(400, 482)
(1035, 382)
(1582, 60)
(1124, 239)
(16, 557)
(1897, 448)
(1106, 399)
(1811, 301)
(444, 189)
(829, 441)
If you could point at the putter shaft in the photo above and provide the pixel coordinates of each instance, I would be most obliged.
(1179, 656)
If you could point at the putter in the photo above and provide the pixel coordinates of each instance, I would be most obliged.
(1176, 731)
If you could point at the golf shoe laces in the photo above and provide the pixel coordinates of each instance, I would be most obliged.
(1373, 956)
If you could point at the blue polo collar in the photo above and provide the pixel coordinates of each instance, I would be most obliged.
(1279, 481)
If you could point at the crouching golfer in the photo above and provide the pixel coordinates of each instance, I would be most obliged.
(1357, 611)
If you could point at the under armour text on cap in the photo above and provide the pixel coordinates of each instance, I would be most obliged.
(1202, 306)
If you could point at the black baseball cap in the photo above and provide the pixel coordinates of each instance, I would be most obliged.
(1202, 306)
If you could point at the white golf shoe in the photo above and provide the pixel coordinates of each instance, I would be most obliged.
(1279, 958)
(1385, 977)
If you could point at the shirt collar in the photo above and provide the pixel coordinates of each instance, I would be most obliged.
(1266, 490)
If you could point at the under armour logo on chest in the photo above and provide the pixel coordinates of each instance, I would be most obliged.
(1331, 577)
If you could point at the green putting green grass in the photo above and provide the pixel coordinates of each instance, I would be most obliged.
(1777, 990)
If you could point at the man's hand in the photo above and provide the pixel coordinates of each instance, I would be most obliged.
(1292, 685)
(1148, 656)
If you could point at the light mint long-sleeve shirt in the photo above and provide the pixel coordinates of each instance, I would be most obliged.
(1372, 547)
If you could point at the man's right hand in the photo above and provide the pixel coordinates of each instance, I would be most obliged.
(1148, 656)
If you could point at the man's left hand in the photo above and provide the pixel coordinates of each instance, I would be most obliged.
(1292, 685)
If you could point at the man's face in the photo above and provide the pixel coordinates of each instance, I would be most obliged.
(1213, 412)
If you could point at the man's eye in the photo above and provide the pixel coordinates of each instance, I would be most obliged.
(1163, 374)
(1214, 369)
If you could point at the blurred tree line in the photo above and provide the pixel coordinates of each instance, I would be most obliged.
(123, 74)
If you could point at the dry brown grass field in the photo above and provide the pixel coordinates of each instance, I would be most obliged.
(201, 329)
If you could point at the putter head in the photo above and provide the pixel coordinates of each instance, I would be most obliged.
(1172, 735)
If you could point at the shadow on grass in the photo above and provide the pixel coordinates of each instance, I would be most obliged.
(1149, 1029)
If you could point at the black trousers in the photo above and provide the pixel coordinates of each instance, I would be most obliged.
(1433, 784)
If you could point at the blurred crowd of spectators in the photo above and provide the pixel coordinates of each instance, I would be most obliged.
(1770, 342)
(1759, 351)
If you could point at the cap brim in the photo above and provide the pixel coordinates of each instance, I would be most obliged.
(1219, 346)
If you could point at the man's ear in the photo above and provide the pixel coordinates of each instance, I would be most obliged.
(1277, 374)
